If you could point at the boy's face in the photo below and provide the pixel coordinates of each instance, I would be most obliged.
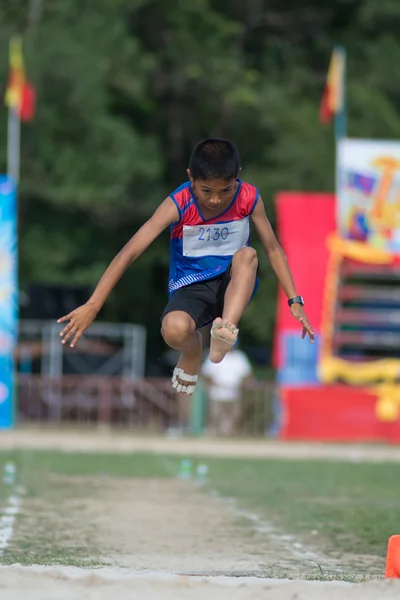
(213, 194)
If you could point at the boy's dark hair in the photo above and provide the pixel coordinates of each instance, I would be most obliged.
(214, 158)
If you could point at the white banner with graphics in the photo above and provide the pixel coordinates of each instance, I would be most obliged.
(368, 192)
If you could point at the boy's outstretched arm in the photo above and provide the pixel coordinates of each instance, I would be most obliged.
(279, 264)
(81, 318)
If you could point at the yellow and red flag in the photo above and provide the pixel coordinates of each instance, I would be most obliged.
(20, 94)
(333, 95)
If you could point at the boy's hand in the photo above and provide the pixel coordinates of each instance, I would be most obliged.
(298, 313)
(79, 320)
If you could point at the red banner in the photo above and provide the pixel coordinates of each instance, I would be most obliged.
(337, 413)
(304, 221)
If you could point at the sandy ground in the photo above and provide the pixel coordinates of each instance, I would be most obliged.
(167, 539)
(164, 525)
(105, 440)
(17, 583)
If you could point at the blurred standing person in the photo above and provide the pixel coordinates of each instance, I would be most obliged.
(224, 383)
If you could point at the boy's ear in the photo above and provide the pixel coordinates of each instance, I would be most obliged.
(190, 175)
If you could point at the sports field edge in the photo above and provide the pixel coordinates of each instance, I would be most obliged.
(106, 440)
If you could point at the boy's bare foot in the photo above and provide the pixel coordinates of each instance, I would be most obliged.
(223, 337)
(186, 372)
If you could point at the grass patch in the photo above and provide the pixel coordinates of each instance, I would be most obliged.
(54, 525)
(342, 508)
(351, 508)
(31, 466)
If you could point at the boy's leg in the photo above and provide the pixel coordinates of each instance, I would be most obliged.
(228, 418)
(237, 296)
(187, 310)
(179, 332)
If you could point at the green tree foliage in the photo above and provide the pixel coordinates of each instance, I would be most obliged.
(126, 87)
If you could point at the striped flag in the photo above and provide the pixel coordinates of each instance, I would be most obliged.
(20, 94)
(332, 102)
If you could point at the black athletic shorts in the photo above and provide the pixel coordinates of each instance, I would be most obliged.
(203, 301)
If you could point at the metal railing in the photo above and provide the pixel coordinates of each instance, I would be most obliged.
(148, 404)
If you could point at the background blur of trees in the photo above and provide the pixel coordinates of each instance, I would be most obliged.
(127, 87)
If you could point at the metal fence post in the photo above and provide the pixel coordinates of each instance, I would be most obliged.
(197, 409)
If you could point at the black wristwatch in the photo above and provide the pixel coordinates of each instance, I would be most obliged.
(296, 300)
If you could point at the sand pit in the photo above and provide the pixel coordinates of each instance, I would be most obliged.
(38, 583)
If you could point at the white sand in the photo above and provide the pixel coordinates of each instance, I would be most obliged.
(40, 583)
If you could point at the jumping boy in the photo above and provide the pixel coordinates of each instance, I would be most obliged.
(213, 268)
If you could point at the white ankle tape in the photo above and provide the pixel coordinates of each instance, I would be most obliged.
(188, 378)
(184, 376)
(183, 389)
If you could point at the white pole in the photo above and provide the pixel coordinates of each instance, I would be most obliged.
(13, 145)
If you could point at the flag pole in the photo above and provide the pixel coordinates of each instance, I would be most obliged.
(13, 145)
(341, 115)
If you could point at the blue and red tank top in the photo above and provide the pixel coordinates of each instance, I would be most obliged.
(202, 249)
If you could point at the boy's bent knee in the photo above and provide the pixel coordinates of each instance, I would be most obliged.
(246, 256)
(176, 327)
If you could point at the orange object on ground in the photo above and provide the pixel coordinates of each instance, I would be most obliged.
(393, 557)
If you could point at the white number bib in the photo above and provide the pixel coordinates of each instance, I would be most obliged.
(220, 239)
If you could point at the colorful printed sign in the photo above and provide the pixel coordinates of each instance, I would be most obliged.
(368, 192)
(8, 297)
